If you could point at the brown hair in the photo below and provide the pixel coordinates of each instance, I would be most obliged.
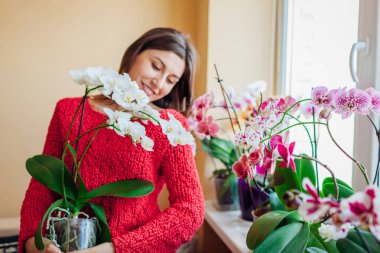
(168, 39)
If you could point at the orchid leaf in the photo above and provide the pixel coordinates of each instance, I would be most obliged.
(221, 149)
(286, 239)
(48, 171)
(263, 226)
(285, 180)
(275, 202)
(38, 236)
(315, 250)
(305, 169)
(353, 243)
(73, 153)
(105, 234)
(125, 188)
(328, 188)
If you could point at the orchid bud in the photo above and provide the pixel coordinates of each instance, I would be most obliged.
(292, 199)
(325, 114)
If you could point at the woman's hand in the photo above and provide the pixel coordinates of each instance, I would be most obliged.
(106, 247)
(30, 247)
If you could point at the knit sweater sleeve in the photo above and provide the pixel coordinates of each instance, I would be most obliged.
(178, 223)
(38, 197)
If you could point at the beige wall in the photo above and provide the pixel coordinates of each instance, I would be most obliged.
(40, 41)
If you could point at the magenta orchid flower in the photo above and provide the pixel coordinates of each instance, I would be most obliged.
(354, 100)
(208, 127)
(242, 167)
(375, 99)
(363, 208)
(313, 206)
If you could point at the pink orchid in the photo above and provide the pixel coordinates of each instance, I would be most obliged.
(204, 102)
(314, 207)
(208, 127)
(286, 102)
(354, 100)
(375, 99)
(321, 96)
(242, 167)
(256, 156)
(363, 208)
(284, 151)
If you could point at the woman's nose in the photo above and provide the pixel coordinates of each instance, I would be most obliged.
(158, 83)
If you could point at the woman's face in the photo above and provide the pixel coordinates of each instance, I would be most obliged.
(157, 72)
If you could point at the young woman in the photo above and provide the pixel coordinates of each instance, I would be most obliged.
(162, 62)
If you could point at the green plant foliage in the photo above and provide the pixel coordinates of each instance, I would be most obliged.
(105, 234)
(315, 250)
(285, 179)
(38, 236)
(353, 243)
(290, 238)
(275, 202)
(221, 149)
(328, 188)
(126, 188)
(265, 225)
(48, 171)
(305, 168)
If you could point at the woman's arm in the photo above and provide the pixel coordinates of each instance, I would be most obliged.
(38, 197)
(179, 222)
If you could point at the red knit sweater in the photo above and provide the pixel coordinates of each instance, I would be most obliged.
(136, 224)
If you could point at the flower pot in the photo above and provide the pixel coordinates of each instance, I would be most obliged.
(76, 234)
(247, 202)
(226, 194)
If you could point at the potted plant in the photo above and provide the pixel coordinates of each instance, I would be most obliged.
(305, 216)
(69, 226)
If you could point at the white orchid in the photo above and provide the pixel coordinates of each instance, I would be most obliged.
(333, 232)
(134, 103)
(147, 143)
(91, 76)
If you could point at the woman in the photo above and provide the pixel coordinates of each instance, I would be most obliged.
(162, 62)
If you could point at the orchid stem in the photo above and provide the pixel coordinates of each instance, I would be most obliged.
(326, 167)
(360, 166)
(315, 150)
(376, 177)
(287, 128)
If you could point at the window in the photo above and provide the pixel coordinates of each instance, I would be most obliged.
(315, 41)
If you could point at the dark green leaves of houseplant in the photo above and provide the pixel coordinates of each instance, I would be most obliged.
(48, 171)
(266, 224)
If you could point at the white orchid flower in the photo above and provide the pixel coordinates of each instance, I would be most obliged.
(334, 232)
(147, 143)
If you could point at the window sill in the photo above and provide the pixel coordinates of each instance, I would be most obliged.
(228, 225)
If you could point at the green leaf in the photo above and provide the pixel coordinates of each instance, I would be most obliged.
(126, 188)
(73, 153)
(328, 188)
(284, 180)
(221, 149)
(315, 250)
(104, 235)
(38, 236)
(317, 241)
(48, 171)
(286, 239)
(263, 226)
(275, 202)
(298, 244)
(348, 246)
(354, 240)
(305, 168)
